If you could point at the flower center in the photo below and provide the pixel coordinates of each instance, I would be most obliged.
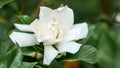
(54, 28)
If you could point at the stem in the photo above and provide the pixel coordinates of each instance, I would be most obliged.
(22, 7)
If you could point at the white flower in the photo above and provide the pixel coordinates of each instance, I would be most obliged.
(53, 27)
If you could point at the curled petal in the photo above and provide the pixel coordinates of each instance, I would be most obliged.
(71, 47)
(23, 27)
(77, 32)
(44, 11)
(23, 39)
(49, 54)
(64, 15)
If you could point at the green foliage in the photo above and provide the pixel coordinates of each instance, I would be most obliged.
(4, 2)
(25, 19)
(27, 50)
(11, 59)
(105, 46)
(61, 55)
(86, 53)
(29, 64)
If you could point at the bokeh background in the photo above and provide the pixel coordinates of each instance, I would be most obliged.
(104, 29)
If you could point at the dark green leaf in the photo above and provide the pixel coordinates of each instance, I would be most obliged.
(16, 63)
(117, 39)
(4, 2)
(105, 46)
(12, 59)
(27, 50)
(39, 48)
(86, 53)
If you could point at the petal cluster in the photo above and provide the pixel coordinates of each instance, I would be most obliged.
(54, 27)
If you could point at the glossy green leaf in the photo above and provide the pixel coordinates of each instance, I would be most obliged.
(25, 19)
(12, 59)
(86, 53)
(16, 63)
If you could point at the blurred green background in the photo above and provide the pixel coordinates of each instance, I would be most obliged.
(104, 30)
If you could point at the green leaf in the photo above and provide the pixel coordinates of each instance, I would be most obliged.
(28, 64)
(62, 5)
(14, 6)
(117, 39)
(86, 53)
(61, 55)
(27, 50)
(105, 46)
(25, 19)
(4, 2)
(12, 59)
(39, 48)
(17, 59)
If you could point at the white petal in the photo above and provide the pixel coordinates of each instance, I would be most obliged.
(77, 32)
(49, 54)
(34, 24)
(23, 39)
(23, 27)
(44, 11)
(71, 47)
(40, 28)
(64, 15)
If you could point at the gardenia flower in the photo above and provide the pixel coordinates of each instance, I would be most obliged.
(54, 27)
